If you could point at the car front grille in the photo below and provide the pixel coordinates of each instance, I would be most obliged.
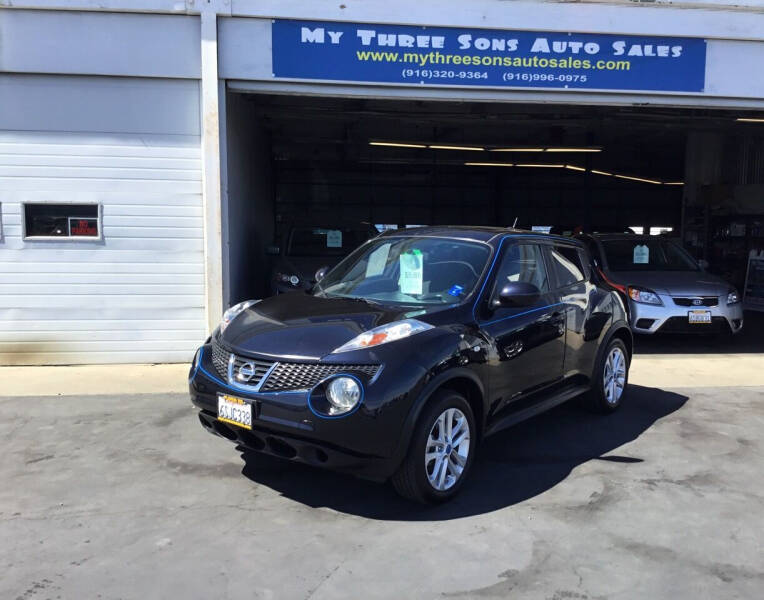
(283, 376)
(300, 376)
(220, 357)
(704, 301)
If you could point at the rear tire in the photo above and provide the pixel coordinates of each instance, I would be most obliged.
(611, 376)
(441, 451)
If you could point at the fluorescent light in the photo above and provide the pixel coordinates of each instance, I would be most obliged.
(574, 150)
(574, 168)
(397, 145)
(638, 179)
(517, 149)
(542, 166)
(673, 183)
(438, 147)
(487, 164)
(749, 120)
(602, 173)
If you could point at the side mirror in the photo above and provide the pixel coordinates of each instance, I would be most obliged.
(272, 250)
(516, 294)
(321, 273)
(703, 264)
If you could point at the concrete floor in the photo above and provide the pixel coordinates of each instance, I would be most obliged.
(124, 496)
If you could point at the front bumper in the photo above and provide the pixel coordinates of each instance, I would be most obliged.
(268, 441)
(363, 443)
(672, 318)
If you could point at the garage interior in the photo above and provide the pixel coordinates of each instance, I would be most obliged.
(326, 161)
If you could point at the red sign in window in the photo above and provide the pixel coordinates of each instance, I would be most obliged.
(83, 227)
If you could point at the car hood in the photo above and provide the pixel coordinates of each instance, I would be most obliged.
(300, 326)
(674, 283)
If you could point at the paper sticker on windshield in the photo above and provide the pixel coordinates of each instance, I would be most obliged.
(641, 255)
(377, 261)
(411, 272)
(333, 238)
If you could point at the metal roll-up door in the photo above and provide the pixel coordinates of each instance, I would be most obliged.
(130, 147)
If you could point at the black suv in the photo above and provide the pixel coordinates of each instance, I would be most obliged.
(414, 348)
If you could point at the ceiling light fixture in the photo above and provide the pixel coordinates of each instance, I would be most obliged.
(749, 120)
(574, 168)
(601, 172)
(541, 166)
(440, 146)
(573, 150)
(638, 179)
(471, 148)
(673, 183)
(487, 164)
(397, 145)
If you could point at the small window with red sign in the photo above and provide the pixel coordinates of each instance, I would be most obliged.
(61, 220)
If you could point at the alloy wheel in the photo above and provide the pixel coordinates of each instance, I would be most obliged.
(448, 446)
(614, 377)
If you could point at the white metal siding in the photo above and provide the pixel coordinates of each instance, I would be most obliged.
(138, 295)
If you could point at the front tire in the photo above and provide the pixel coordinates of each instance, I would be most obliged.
(441, 451)
(610, 379)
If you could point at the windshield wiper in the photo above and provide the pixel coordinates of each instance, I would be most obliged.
(358, 299)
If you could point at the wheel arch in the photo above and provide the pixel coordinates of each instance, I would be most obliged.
(625, 335)
(461, 380)
(619, 329)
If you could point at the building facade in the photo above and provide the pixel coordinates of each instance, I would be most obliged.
(150, 149)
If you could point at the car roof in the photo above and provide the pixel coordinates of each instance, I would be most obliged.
(474, 233)
(631, 237)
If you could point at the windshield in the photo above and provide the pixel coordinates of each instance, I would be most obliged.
(317, 241)
(408, 270)
(647, 255)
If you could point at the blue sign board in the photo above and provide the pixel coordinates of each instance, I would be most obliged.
(401, 54)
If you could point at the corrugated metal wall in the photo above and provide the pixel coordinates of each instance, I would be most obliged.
(133, 146)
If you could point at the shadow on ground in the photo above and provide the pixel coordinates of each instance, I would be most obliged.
(750, 340)
(510, 467)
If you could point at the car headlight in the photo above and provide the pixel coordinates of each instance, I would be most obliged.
(343, 394)
(643, 295)
(733, 297)
(284, 278)
(384, 334)
(234, 311)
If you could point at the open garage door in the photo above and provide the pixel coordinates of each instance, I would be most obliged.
(334, 162)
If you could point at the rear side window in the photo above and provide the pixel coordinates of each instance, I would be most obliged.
(567, 265)
(522, 262)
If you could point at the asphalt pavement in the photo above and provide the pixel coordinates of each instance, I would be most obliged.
(125, 496)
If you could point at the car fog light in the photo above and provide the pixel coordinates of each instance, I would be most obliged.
(343, 394)
(294, 280)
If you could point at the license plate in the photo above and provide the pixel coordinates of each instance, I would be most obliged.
(234, 411)
(699, 316)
